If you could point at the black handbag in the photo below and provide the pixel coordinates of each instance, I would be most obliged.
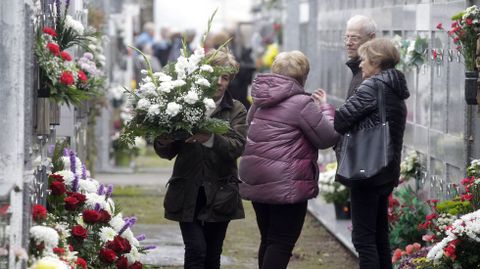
(366, 152)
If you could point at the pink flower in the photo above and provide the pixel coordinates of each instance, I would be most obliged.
(428, 237)
(469, 22)
(409, 249)
(417, 246)
(397, 254)
(439, 26)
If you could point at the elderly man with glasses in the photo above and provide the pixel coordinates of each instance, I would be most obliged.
(360, 29)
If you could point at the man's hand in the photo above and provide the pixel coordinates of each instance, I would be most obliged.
(198, 138)
(319, 96)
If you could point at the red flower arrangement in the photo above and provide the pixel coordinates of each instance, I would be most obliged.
(39, 213)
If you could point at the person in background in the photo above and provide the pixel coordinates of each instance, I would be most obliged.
(139, 63)
(147, 37)
(279, 166)
(369, 203)
(161, 49)
(202, 194)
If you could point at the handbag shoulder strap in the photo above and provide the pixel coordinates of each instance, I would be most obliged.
(381, 104)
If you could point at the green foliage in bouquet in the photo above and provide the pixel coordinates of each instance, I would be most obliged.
(176, 102)
(405, 216)
(456, 206)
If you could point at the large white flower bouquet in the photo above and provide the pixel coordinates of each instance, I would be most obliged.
(175, 102)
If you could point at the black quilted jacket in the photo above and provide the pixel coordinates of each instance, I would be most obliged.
(360, 111)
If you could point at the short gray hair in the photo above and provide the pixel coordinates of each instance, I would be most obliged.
(367, 24)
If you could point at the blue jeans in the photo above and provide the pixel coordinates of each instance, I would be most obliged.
(370, 226)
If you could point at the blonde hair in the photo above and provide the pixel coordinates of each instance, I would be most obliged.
(380, 52)
(223, 57)
(292, 64)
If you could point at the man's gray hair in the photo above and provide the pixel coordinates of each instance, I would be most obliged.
(368, 25)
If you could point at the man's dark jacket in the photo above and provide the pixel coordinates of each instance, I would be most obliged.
(214, 169)
(361, 111)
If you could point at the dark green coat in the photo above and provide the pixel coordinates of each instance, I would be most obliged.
(213, 168)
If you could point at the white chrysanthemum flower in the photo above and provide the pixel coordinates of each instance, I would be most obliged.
(77, 26)
(209, 103)
(67, 175)
(166, 86)
(149, 88)
(93, 199)
(153, 110)
(143, 104)
(128, 234)
(50, 262)
(191, 97)
(143, 72)
(206, 68)
(162, 76)
(203, 82)
(173, 109)
(133, 256)
(117, 222)
(88, 186)
(107, 234)
(178, 83)
(46, 235)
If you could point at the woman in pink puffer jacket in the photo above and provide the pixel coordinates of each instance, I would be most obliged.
(279, 165)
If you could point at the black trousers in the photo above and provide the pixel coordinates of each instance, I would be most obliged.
(203, 243)
(370, 226)
(280, 226)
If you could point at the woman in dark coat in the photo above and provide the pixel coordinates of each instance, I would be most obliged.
(370, 204)
(202, 193)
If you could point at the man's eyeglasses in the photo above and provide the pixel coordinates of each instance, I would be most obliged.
(351, 38)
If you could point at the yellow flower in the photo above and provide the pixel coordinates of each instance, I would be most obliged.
(270, 54)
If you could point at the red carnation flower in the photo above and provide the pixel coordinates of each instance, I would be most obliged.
(67, 78)
(53, 48)
(82, 76)
(57, 187)
(81, 263)
(91, 216)
(136, 265)
(65, 56)
(80, 197)
(107, 255)
(119, 244)
(122, 263)
(71, 203)
(56, 177)
(105, 216)
(49, 31)
(39, 213)
(59, 251)
(439, 26)
(79, 232)
(469, 22)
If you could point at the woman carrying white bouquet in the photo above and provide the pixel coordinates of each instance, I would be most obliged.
(202, 193)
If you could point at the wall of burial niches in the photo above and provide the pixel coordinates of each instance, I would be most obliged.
(441, 127)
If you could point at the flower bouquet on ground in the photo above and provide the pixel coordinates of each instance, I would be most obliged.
(175, 103)
(81, 228)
